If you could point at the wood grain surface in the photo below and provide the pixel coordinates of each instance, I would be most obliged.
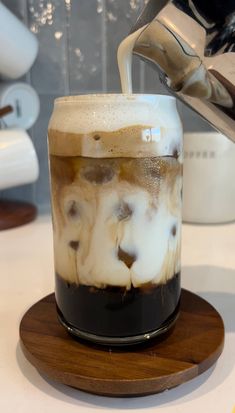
(191, 348)
(16, 213)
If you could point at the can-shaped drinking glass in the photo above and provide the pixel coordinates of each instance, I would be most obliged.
(116, 194)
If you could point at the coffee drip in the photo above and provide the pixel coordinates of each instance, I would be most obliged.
(192, 48)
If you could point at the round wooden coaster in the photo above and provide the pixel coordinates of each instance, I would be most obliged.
(16, 213)
(192, 347)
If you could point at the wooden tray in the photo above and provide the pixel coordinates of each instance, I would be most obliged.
(16, 213)
(191, 348)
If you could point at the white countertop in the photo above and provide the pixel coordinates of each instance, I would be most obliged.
(26, 270)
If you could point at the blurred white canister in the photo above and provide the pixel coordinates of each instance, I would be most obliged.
(18, 159)
(18, 46)
(209, 178)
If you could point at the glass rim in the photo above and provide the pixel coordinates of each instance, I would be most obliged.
(111, 97)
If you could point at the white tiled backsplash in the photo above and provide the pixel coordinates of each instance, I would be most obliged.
(78, 40)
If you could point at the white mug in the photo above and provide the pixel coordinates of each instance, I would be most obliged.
(18, 159)
(18, 46)
(209, 178)
(24, 101)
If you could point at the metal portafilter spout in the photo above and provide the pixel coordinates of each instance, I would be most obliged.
(191, 43)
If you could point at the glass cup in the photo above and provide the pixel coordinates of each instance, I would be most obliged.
(116, 193)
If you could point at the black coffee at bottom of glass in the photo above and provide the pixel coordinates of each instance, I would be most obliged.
(115, 311)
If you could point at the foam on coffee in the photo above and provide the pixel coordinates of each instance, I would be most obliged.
(140, 126)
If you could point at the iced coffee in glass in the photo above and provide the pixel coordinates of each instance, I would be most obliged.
(116, 189)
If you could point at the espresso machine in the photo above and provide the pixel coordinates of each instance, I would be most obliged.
(191, 43)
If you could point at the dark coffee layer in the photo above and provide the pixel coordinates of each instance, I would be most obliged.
(117, 312)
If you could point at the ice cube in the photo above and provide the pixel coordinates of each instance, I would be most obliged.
(74, 245)
(126, 257)
(72, 209)
(98, 174)
(124, 211)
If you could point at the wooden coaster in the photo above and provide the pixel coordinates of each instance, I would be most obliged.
(16, 213)
(192, 347)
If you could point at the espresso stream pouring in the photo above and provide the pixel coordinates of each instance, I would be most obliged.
(192, 45)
